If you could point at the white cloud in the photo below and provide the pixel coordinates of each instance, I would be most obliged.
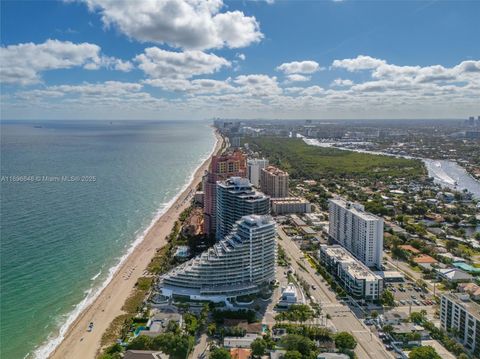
(158, 63)
(197, 87)
(241, 56)
(389, 91)
(189, 24)
(258, 85)
(359, 63)
(389, 76)
(297, 78)
(312, 91)
(299, 67)
(342, 82)
(23, 63)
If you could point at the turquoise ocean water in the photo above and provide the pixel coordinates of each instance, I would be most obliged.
(61, 236)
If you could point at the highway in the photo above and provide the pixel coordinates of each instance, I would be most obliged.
(369, 346)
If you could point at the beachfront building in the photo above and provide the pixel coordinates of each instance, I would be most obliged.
(240, 264)
(460, 315)
(358, 231)
(221, 168)
(355, 277)
(236, 198)
(289, 205)
(274, 182)
(254, 167)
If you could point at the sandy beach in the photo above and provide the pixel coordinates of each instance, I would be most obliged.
(78, 343)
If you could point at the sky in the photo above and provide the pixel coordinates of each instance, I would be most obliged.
(201, 59)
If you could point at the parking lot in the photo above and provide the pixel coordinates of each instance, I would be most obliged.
(407, 293)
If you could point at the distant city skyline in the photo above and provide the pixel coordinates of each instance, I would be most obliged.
(192, 59)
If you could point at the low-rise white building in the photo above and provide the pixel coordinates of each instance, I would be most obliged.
(454, 275)
(289, 296)
(356, 278)
(239, 342)
(289, 205)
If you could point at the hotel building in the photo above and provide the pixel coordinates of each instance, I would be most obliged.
(356, 278)
(254, 167)
(221, 168)
(239, 264)
(235, 199)
(460, 315)
(274, 182)
(358, 231)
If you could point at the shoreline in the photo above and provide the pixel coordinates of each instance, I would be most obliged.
(75, 341)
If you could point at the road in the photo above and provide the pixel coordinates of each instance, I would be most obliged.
(369, 346)
(200, 347)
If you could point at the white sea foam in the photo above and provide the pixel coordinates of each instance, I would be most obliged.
(96, 276)
(53, 341)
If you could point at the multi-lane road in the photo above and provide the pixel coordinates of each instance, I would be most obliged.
(369, 346)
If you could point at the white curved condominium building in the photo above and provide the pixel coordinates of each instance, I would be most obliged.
(237, 265)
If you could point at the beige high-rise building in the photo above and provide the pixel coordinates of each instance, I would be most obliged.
(274, 182)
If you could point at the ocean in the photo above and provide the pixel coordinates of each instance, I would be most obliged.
(75, 197)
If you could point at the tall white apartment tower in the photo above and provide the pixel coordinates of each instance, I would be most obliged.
(254, 167)
(360, 232)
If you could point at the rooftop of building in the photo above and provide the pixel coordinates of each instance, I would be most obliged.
(257, 220)
(454, 274)
(355, 208)
(257, 160)
(464, 301)
(292, 200)
(356, 268)
(275, 171)
(424, 258)
(409, 248)
(240, 353)
(236, 181)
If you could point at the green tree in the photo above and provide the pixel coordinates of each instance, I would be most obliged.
(374, 314)
(212, 329)
(220, 353)
(292, 354)
(114, 351)
(426, 352)
(191, 323)
(345, 340)
(299, 343)
(387, 328)
(176, 346)
(418, 317)
(173, 327)
(258, 347)
(142, 342)
(388, 298)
